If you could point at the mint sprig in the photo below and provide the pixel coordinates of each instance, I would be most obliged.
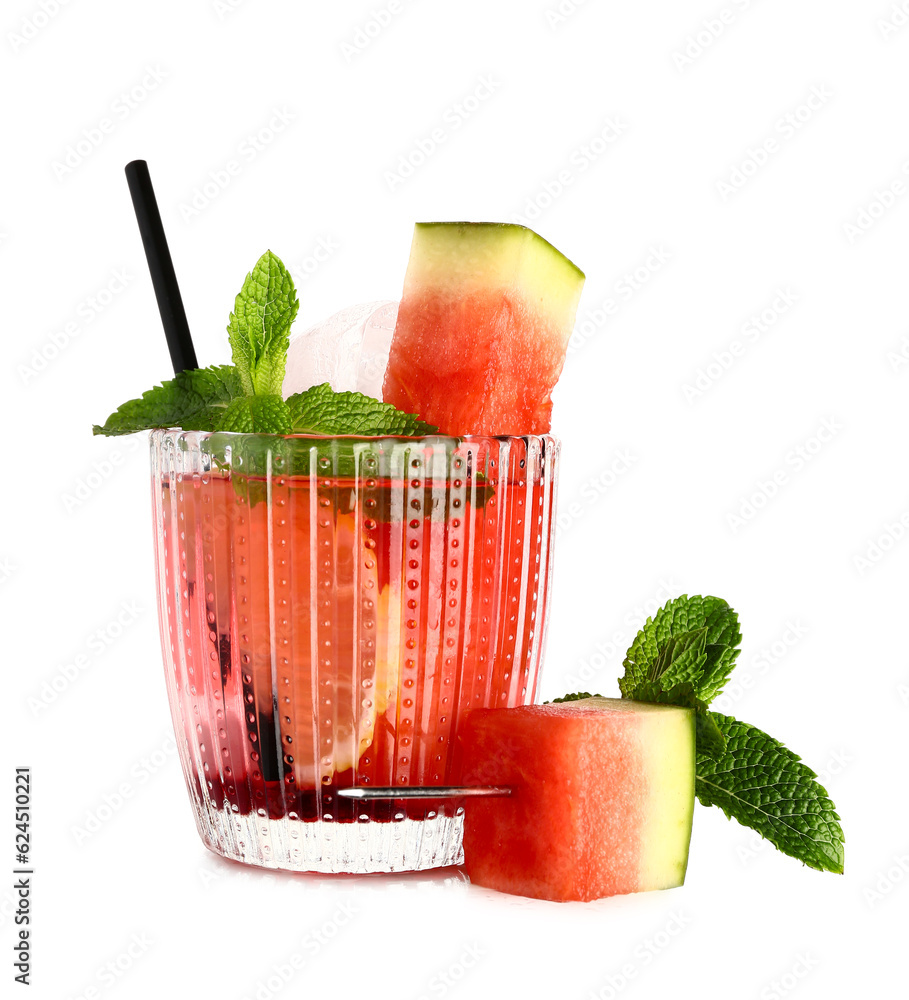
(692, 639)
(683, 656)
(245, 397)
(259, 327)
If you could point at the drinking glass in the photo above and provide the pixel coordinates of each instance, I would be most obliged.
(331, 608)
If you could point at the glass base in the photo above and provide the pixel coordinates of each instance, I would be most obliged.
(360, 847)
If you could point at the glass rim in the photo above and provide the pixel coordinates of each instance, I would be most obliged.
(201, 436)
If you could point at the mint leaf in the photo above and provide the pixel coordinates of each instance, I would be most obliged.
(256, 415)
(259, 327)
(766, 787)
(193, 400)
(321, 410)
(715, 671)
(691, 639)
(681, 659)
(709, 739)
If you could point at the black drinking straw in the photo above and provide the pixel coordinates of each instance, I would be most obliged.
(164, 279)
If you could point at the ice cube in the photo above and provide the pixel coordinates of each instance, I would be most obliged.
(348, 350)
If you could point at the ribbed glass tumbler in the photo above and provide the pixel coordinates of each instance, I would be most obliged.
(330, 609)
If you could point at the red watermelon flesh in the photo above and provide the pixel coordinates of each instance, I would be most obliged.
(482, 329)
(602, 798)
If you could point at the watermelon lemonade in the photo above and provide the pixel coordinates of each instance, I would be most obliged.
(331, 608)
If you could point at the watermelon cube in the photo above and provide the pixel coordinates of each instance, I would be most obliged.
(602, 798)
(482, 329)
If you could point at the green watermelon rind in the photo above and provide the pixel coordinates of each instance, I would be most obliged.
(506, 227)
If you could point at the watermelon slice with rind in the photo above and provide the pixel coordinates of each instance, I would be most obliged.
(602, 798)
(482, 329)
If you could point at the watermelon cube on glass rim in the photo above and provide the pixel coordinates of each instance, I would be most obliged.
(482, 328)
(601, 803)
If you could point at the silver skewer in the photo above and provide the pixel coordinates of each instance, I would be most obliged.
(423, 792)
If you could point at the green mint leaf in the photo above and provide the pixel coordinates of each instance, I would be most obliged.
(692, 639)
(321, 410)
(681, 659)
(766, 787)
(709, 739)
(193, 400)
(719, 663)
(256, 415)
(259, 327)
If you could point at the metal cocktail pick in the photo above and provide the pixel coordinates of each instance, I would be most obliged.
(424, 792)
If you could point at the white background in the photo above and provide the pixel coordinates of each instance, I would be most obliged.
(524, 101)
